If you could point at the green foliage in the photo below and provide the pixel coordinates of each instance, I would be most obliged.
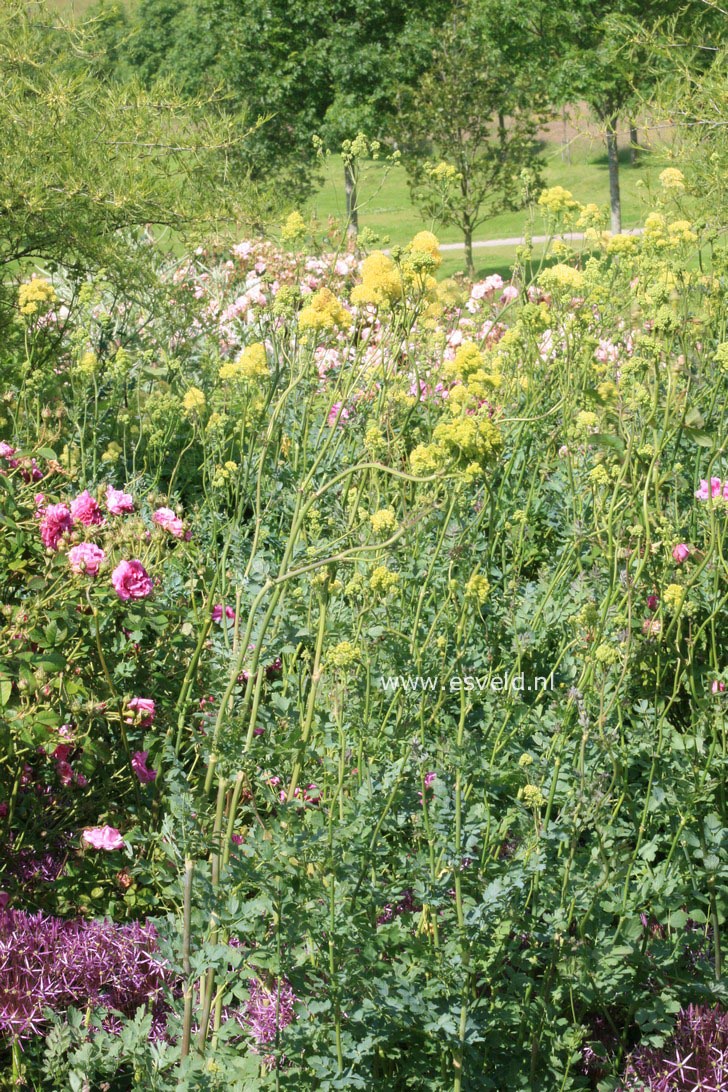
(467, 129)
(88, 169)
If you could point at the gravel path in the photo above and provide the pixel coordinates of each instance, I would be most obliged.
(569, 236)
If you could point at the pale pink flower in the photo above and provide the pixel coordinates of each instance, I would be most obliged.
(131, 580)
(103, 837)
(509, 294)
(86, 558)
(141, 707)
(169, 521)
(681, 553)
(118, 502)
(140, 768)
(337, 412)
(6, 450)
(85, 509)
(718, 686)
(55, 523)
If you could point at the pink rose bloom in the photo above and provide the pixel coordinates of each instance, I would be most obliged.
(118, 502)
(140, 768)
(85, 509)
(131, 580)
(56, 522)
(681, 553)
(169, 520)
(144, 707)
(706, 491)
(86, 558)
(218, 609)
(103, 837)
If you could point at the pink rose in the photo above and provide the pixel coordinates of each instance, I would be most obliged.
(86, 558)
(140, 768)
(118, 502)
(85, 509)
(681, 553)
(56, 522)
(142, 707)
(168, 520)
(103, 837)
(131, 580)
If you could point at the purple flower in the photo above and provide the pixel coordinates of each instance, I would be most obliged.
(140, 768)
(269, 1009)
(49, 963)
(219, 609)
(694, 1057)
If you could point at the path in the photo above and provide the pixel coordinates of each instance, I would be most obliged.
(569, 236)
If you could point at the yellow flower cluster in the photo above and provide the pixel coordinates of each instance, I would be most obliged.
(88, 363)
(193, 401)
(673, 597)
(558, 202)
(442, 173)
(532, 796)
(562, 277)
(324, 312)
(384, 521)
(477, 588)
(381, 283)
(383, 580)
(475, 381)
(425, 242)
(293, 229)
(343, 655)
(586, 421)
(37, 295)
(672, 179)
(473, 439)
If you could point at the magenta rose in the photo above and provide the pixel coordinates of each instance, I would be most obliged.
(85, 509)
(131, 580)
(56, 522)
(86, 558)
(140, 768)
(143, 708)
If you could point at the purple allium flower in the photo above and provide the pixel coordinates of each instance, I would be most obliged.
(46, 962)
(694, 1057)
(269, 1010)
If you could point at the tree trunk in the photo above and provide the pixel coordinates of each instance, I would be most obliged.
(502, 133)
(566, 144)
(469, 264)
(613, 157)
(352, 212)
(633, 146)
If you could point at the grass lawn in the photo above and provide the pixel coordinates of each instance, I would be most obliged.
(387, 209)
